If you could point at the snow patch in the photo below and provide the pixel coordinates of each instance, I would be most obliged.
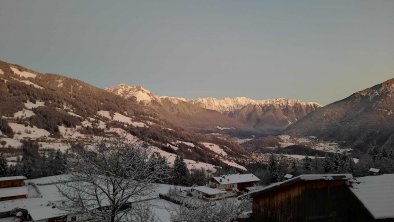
(86, 123)
(24, 74)
(30, 105)
(59, 83)
(69, 132)
(186, 143)
(138, 124)
(11, 142)
(27, 82)
(55, 146)
(24, 113)
(223, 128)
(191, 164)
(121, 118)
(22, 131)
(233, 164)
(215, 148)
(104, 114)
(122, 133)
(73, 114)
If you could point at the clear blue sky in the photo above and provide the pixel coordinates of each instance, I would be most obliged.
(310, 50)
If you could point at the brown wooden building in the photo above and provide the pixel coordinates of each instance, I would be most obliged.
(321, 198)
(12, 188)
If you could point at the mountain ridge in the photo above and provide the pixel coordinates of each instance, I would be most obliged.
(364, 119)
(255, 115)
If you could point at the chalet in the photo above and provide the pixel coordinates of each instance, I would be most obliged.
(234, 182)
(12, 188)
(208, 193)
(326, 197)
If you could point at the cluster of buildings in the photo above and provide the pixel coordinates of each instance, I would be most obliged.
(311, 197)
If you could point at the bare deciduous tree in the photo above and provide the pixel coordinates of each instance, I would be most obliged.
(105, 181)
(226, 210)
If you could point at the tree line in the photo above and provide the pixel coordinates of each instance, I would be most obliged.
(35, 164)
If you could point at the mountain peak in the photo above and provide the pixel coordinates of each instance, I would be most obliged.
(138, 92)
(230, 104)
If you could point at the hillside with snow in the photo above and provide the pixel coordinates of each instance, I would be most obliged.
(60, 113)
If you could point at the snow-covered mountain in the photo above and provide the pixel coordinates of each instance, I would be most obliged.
(237, 103)
(60, 113)
(244, 113)
(363, 120)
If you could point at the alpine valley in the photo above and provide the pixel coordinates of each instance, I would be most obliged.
(63, 113)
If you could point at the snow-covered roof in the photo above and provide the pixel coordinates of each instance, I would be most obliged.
(236, 178)
(374, 170)
(305, 177)
(377, 194)
(13, 191)
(12, 178)
(208, 190)
(45, 212)
(288, 176)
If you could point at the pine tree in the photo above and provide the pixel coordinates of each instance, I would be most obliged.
(180, 175)
(3, 166)
(327, 164)
(273, 168)
(307, 164)
(198, 177)
(159, 162)
(293, 168)
(60, 165)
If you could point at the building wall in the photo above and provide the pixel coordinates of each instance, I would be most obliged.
(13, 197)
(243, 186)
(12, 183)
(318, 201)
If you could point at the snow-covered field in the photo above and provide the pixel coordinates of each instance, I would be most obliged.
(215, 148)
(22, 131)
(70, 132)
(233, 164)
(55, 146)
(11, 142)
(122, 133)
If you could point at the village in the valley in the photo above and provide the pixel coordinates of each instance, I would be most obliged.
(307, 197)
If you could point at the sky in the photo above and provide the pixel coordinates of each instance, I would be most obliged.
(315, 50)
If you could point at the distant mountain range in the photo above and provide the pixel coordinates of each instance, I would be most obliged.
(224, 114)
